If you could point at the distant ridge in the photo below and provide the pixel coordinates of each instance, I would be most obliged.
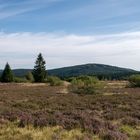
(99, 70)
(92, 69)
(19, 72)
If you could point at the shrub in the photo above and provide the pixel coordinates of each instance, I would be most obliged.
(30, 77)
(54, 81)
(86, 85)
(134, 80)
(20, 80)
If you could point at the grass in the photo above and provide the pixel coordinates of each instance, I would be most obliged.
(132, 132)
(39, 110)
(13, 132)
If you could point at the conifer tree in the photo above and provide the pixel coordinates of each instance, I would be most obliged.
(39, 71)
(7, 75)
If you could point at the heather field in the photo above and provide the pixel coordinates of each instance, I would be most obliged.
(43, 112)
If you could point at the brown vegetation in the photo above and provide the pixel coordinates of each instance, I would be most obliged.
(111, 115)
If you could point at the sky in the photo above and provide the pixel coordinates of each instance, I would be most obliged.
(70, 32)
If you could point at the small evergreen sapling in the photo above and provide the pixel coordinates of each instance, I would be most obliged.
(7, 75)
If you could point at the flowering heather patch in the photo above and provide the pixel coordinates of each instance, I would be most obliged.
(103, 115)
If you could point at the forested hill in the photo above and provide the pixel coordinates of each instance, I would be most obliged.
(20, 72)
(100, 70)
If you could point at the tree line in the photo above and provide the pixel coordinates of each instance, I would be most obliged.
(38, 74)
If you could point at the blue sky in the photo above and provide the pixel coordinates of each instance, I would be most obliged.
(70, 16)
(70, 32)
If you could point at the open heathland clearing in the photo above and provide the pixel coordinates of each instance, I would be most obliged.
(43, 112)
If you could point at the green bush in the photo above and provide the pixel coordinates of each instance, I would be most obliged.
(20, 80)
(86, 85)
(134, 80)
(30, 77)
(54, 81)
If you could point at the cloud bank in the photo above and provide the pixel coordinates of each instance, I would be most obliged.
(59, 50)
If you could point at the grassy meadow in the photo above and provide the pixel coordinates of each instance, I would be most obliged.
(42, 112)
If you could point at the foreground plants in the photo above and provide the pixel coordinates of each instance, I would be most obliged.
(13, 132)
(86, 85)
(54, 81)
(134, 80)
(36, 107)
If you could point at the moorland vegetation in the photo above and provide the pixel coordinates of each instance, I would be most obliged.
(46, 107)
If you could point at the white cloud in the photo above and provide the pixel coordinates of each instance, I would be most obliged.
(21, 49)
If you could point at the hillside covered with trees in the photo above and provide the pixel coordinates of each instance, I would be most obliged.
(99, 70)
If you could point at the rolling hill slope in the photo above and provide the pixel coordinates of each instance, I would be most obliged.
(92, 69)
(99, 70)
(19, 72)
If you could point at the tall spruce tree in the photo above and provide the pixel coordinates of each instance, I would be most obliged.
(39, 71)
(7, 75)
